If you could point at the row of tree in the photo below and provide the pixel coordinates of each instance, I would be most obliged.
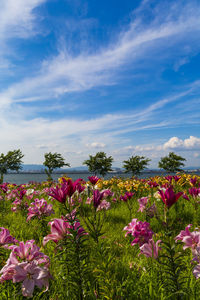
(97, 164)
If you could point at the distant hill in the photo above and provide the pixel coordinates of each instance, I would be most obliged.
(40, 168)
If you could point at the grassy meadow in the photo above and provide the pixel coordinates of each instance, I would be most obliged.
(101, 239)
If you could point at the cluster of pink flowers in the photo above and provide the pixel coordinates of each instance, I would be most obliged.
(194, 192)
(140, 231)
(67, 189)
(103, 205)
(97, 199)
(143, 237)
(191, 240)
(18, 204)
(28, 265)
(60, 229)
(39, 208)
(127, 196)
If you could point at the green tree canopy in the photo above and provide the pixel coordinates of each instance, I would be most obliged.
(53, 161)
(11, 161)
(99, 164)
(171, 163)
(135, 164)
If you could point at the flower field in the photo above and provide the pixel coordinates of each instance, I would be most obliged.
(101, 239)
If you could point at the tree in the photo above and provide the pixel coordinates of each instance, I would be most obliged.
(11, 161)
(53, 161)
(171, 163)
(99, 164)
(135, 164)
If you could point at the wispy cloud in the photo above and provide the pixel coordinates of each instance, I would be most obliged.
(68, 73)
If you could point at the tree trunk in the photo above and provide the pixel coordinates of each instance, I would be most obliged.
(1, 179)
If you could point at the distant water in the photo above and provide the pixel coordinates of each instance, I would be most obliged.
(26, 178)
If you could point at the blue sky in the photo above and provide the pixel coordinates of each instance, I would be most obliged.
(78, 77)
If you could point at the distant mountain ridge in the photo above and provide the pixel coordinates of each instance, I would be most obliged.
(40, 168)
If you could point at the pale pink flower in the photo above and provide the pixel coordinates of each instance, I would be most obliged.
(60, 229)
(31, 275)
(196, 271)
(103, 205)
(39, 208)
(150, 249)
(190, 239)
(142, 203)
(6, 238)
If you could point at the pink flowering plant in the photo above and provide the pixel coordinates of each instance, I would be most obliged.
(76, 242)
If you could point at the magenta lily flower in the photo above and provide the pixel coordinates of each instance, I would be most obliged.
(59, 193)
(140, 230)
(194, 192)
(93, 179)
(97, 197)
(169, 197)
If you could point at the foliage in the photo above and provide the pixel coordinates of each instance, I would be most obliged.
(11, 161)
(135, 164)
(171, 163)
(99, 164)
(53, 161)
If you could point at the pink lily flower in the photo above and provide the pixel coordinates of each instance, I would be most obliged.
(150, 249)
(190, 239)
(142, 203)
(59, 230)
(140, 230)
(93, 179)
(31, 275)
(39, 208)
(6, 238)
(97, 197)
(169, 197)
(103, 205)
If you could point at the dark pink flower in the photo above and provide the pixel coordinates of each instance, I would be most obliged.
(93, 179)
(140, 230)
(97, 197)
(127, 196)
(194, 192)
(169, 197)
(152, 184)
(193, 181)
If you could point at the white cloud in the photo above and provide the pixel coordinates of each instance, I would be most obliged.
(96, 145)
(17, 17)
(173, 143)
(191, 143)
